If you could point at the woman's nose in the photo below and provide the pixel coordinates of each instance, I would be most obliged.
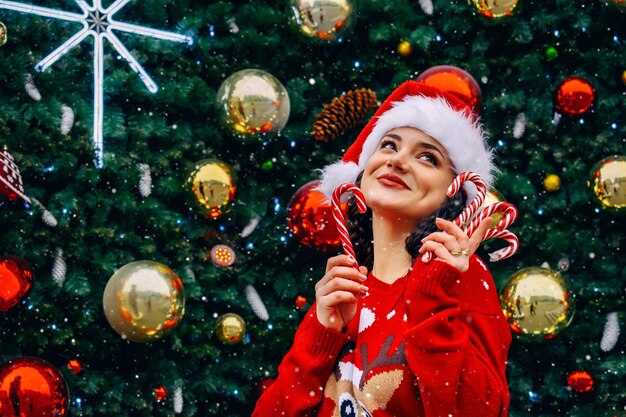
(396, 161)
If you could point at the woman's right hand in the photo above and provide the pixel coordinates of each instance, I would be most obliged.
(336, 293)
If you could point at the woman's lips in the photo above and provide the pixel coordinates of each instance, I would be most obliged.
(392, 181)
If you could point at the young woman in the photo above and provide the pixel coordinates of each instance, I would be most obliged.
(398, 336)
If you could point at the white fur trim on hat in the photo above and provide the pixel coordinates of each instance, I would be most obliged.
(463, 140)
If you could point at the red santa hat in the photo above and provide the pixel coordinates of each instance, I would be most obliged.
(435, 112)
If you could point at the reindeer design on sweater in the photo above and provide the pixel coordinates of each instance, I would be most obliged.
(360, 392)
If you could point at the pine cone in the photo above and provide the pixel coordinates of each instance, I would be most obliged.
(343, 113)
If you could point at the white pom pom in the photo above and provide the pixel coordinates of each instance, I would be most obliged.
(556, 119)
(250, 227)
(427, 6)
(611, 332)
(145, 180)
(520, 126)
(59, 268)
(256, 303)
(178, 400)
(31, 88)
(67, 119)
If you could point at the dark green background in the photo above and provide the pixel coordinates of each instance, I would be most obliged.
(104, 223)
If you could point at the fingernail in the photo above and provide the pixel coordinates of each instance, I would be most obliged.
(363, 277)
(363, 289)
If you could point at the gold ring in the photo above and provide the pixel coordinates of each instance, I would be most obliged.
(456, 252)
(465, 252)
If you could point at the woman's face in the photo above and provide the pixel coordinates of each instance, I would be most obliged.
(407, 176)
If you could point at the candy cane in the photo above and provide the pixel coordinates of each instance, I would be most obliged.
(508, 209)
(340, 219)
(476, 202)
(506, 252)
(473, 206)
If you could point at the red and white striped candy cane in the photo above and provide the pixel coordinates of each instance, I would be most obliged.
(508, 210)
(506, 252)
(340, 219)
(472, 207)
(476, 202)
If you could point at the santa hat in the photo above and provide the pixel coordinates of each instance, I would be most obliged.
(435, 112)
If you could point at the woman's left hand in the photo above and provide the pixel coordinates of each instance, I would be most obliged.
(452, 245)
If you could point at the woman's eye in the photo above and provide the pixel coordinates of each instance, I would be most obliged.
(429, 157)
(388, 144)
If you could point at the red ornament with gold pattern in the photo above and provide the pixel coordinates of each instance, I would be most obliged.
(574, 96)
(455, 81)
(580, 381)
(32, 387)
(310, 219)
(16, 277)
(223, 255)
(10, 178)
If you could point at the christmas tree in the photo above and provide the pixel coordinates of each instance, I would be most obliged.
(85, 213)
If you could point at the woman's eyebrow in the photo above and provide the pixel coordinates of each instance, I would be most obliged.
(422, 144)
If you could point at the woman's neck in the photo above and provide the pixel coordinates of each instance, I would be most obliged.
(391, 259)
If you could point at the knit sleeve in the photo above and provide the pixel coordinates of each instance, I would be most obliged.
(303, 372)
(457, 340)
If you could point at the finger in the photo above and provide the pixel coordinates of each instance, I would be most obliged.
(437, 249)
(341, 284)
(340, 260)
(337, 297)
(479, 233)
(363, 270)
(454, 230)
(341, 272)
(451, 242)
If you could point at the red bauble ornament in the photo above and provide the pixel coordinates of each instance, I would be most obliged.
(300, 301)
(160, 393)
(574, 96)
(75, 366)
(10, 178)
(310, 218)
(455, 81)
(16, 277)
(32, 387)
(580, 381)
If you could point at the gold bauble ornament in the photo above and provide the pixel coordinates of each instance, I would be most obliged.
(552, 183)
(405, 48)
(212, 187)
(252, 102)
(230, 328)
(323, 19)
(608, 183)
(492, 196)
(624, 77)
(144, 300)
(3, 34)
(494, 9)
(537, 302)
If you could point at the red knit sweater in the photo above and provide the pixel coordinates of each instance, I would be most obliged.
(434, 343)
